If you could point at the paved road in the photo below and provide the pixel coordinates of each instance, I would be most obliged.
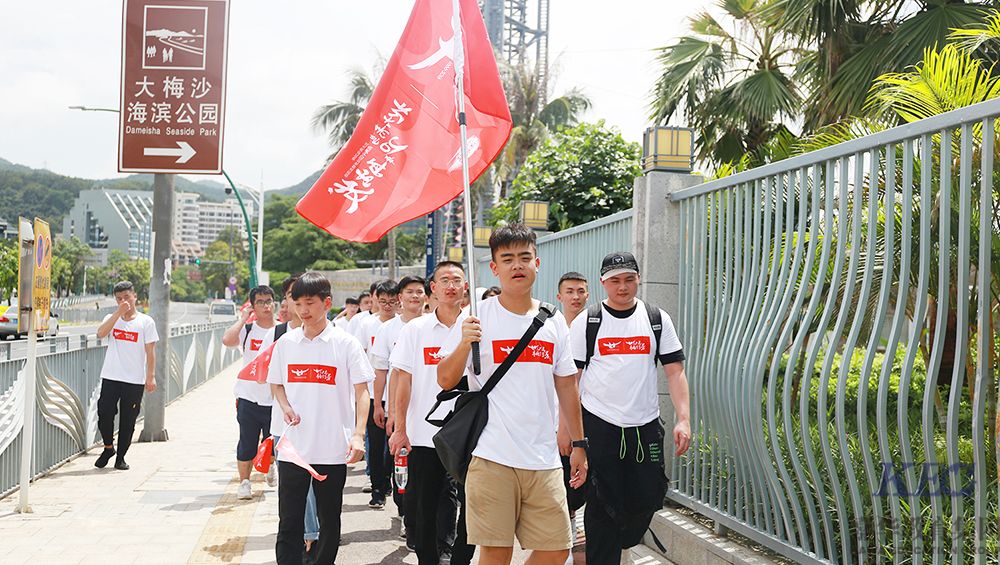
(180, 313)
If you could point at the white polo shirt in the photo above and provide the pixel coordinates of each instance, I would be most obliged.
(318, 375)
(619, 385)
(355, 322)
(125, 360)
(365, 334)
(385, 341)
(342, 323)
(418, 352)
(257, 340)
(519, 432)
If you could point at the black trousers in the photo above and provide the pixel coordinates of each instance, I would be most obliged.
(624, 490)
(292, 490)
(428, 484)
(379, 461)
(118, 396)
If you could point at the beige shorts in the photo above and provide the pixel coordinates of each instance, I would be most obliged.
(503, 502)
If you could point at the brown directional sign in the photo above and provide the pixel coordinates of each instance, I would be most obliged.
(173, 90)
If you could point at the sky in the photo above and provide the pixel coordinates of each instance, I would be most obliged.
(285, 60)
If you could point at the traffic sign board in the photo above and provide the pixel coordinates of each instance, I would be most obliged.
(173, 86)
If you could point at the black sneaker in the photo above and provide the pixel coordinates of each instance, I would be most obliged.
(106, 455)
(377, 502)
(366, 489)
(121, 465)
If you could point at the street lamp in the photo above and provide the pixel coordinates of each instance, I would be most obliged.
(481, 236)
(668, 149)
(535, 214)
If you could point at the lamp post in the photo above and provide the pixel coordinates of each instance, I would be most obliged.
(535, 214)
(254, 254)
(666, 148)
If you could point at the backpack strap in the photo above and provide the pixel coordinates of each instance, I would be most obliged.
(280, 330)
(594, 315)
(246, 334)
(655, 322)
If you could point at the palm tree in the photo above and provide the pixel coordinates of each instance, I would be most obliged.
(534, 118)
(339, 119)
(850, 43)
(733, 86)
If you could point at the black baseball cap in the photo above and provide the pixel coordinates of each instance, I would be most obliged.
(618, 263)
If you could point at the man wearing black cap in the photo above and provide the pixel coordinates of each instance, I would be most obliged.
(617, 345)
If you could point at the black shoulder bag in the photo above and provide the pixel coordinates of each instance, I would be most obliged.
(460, 429)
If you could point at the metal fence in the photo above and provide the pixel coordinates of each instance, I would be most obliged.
(68, 384)
(839, 311)
(580, 249)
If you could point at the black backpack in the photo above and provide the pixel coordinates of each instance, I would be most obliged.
(595, 313)
(279, 331)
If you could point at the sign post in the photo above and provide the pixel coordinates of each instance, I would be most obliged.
(35, 265)
(173, 95)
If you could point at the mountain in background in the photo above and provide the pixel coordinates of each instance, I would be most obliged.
(39, 192)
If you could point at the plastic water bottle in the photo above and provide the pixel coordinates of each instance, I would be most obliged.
(402, 472)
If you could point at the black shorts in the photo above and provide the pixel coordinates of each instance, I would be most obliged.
(255, 426)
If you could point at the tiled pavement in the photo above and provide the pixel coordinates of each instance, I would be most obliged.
(177, 504)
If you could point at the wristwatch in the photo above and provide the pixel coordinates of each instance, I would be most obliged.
(584, 443)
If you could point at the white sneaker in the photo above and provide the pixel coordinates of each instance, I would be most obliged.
(402, 530)
(272, 476)
(627, 557)
(243, 492)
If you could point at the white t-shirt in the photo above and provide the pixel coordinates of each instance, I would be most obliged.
(519, 432)
(257, 341)
(318, 375)
(125, 360)
(365, 334)
(619, 385)
(342, 323)
(385, 340)
(418, 352)
(355, 322)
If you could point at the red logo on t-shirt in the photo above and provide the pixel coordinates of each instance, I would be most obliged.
(123, 335)
(432, 355)
(638, 345)
(255, 344)
(536, 352)
(319, 374)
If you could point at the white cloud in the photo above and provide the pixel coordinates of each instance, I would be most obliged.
(285, 59)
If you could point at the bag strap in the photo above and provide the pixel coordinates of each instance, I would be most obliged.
(545, 310)
(656, 322)
(246, 334)
(594, 314)
(280, 330)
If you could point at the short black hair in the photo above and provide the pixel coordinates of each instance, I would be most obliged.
(311, 284)
(407, 281)
(352, 300)
(444, 264)
(363, 295)
(572, 276)
(492, 291)
(122, 286)
(257, 291)
(371, 289)
(386, 287)
(512, 234)
(286, 284)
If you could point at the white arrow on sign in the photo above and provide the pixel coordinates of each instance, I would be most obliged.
(183, 152)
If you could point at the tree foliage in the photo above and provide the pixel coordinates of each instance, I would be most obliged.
(585, 172)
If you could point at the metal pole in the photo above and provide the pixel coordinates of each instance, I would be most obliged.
(28, 429)
(155, 404)
(260, 233)
(392, 254)
(246, 221)
(460, 86)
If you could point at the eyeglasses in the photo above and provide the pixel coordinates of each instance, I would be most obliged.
(383, 302)
(265, 303)
(452, 283)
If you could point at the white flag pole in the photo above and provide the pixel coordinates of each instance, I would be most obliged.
(459, 57)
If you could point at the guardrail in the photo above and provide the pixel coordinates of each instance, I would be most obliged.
(839, 312)
(68, 384)
(580, 248)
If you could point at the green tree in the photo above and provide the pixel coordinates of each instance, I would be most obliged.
(585, 172)
(186, 284)
(224, 259)
(75, 253)
(732, 80)
(340, 118)
(8, 269)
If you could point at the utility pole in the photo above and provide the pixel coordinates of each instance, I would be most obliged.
(155, 404)
(392, 254)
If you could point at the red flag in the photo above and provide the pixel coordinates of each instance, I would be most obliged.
(403, 159)
(256, 370)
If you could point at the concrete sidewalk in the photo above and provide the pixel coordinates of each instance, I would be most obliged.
(177, 504)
